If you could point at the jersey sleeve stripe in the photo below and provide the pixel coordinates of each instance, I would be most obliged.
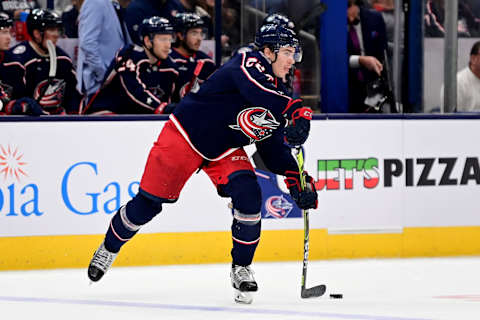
(290, 103)
(168, 70)
(7, 64)
(187, 138)
(133, 97)
(139, 80)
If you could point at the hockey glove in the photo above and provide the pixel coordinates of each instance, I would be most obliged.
(296, 132)
(25, 105)
(305, 199)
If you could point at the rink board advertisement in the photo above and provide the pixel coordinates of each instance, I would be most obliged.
(377, 177)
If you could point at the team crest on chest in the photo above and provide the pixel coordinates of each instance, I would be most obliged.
(256, 123)
(50, 94)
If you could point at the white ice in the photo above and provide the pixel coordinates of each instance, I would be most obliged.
(389, 289)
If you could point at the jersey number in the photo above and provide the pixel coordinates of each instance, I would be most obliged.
(252, 61)
(128, 65)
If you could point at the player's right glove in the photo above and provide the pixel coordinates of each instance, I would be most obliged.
(296, 132)
(305, 199)
(25, 105)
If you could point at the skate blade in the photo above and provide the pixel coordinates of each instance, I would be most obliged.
(243, 297)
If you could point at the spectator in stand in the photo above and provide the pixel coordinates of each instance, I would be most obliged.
(14, 7)
(140, 79)
(101, 32)
(475, 5)
(70, 19)
(366, 45)
(468, 22)
(59, 6)
(138, 10)
(230, 23)
(387, 9)
(468, 84)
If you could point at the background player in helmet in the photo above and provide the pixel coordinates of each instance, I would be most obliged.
(23, 105)
(140, 79)
(194, 65)
(238, 105)
(5, 39)
(30, 67)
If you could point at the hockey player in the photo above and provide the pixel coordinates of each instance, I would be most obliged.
(5, 39)
(238, 105)
(140, 79)
(30, 66)
(281, 20)
(273, 18)
(7, 105)
(195, 66)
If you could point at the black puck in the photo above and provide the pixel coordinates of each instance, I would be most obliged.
(336, 295)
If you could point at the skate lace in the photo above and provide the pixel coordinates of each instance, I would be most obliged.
(103, 259)
(244, 273)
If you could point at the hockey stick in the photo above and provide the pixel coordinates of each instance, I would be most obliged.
(53, 61)
(319, 290)
(191, 84)
(52, 56)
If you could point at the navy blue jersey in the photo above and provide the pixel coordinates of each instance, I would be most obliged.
(133, 85)
(28, 76)
(6, 88)
(238, 105)
(194, 70)
(246, 48)
(286, 86)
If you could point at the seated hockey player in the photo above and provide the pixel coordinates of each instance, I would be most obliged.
(5, 39)
(237, 106)
(29, 67)
(194, 65)
(7, 105)
(139, 80)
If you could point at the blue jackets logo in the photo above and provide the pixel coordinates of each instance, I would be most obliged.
(256, 123)
(276, 203)
(278, 207)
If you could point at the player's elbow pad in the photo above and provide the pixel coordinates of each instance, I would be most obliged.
(298, 128)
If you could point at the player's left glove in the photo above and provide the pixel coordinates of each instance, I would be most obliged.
(305, 199)
(298, 128)
(25, 106)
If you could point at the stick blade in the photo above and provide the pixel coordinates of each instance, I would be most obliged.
(53, 59)
(313, 292)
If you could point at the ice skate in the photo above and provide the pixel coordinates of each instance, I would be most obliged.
(243, 283)
(102, 261)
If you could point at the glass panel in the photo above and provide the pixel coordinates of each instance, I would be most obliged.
(468, 32)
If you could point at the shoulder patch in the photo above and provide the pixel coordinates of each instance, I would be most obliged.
(19, 50)
(138, 48)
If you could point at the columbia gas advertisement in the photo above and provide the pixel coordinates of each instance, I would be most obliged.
(60, 178)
